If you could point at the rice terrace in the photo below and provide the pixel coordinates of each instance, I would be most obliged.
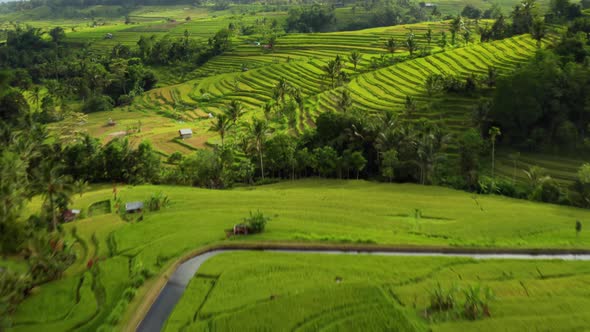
(338, 165)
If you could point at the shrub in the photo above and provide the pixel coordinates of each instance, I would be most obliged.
(129, 293)
(138, 273)
(476, 304)
(98, 103)
(256, 222)
(175, 158)
(13, 289)
(49, 256)
(117, 313)
(158, 201)
(124, 100)
(442, 299)
(547, 191)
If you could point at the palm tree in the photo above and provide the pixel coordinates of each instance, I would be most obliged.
(536, 176)
(55, 187)
(345, 101)
(258, 130)
(221, 125)
(333, 70)
(411, 43)
(355, 58)
(494, 132)
(428, 36)
(456, 25)
(442, 42)
(234, 110)
(429, 146)
(36, 95)
(80, 187)
(467, 36)
(391, 45)
(281, 90)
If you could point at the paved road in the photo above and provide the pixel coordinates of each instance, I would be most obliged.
(174, 288)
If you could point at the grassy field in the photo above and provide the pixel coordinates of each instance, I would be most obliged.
(306, 292)
(336, 212)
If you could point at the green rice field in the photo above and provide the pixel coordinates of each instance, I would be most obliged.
(336, 212)
(307, 292)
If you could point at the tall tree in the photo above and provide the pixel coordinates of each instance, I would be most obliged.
(258, 130)
(442, 42)
(389, 161)
(234, 111)
(411, 43)
(523, 16)
(333, 70)
(345, 101)
(391, 45)
(538, 30)
(430, 144)
(358, 162)
(55, 187)
(428, 36)
(57, 34)
(221, 124)
(456, 26)
(494, 133)
(355, 58)
(281, 90)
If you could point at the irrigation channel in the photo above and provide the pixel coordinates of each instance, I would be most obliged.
(172, 291)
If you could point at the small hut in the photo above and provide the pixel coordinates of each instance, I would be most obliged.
(70, 215)
(133, 207)
(185, 133)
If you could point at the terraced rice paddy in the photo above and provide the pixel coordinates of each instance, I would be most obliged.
(302, 292)
(375, 91)
(387, 88)
(561, 168)
(337, 212)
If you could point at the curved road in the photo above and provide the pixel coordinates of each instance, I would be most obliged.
(172, 291)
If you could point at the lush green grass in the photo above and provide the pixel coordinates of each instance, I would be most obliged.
(338, 212)
(249, 290)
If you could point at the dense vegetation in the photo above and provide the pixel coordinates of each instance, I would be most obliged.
(274, 94)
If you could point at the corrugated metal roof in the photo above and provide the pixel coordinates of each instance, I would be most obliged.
(185, 132)
(133, 206)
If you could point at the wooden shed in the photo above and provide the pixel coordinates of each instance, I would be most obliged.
(185, 133)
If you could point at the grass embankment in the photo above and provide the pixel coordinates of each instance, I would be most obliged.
(314, 211)
(307, 292)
